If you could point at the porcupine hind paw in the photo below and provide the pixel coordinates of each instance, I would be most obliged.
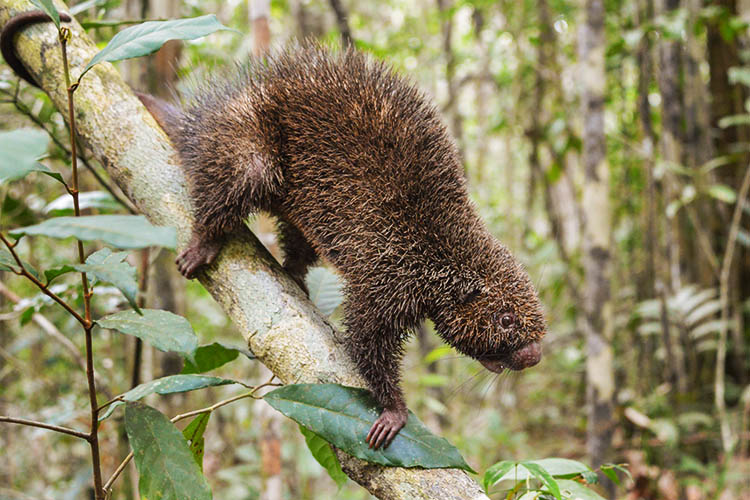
(200, 252)
(385, 428)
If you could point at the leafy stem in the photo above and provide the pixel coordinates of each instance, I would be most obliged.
(182, 416)
(93, 437)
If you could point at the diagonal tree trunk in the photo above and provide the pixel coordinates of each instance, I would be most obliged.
(280, 325)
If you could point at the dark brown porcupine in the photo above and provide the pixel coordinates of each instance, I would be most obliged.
(359, 169)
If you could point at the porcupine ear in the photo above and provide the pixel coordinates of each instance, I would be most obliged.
(165, 114)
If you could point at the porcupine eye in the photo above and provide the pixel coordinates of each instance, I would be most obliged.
(507, 320)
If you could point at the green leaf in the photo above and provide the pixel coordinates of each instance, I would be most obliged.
(723, 193)
(49, 7)
(325, 289)
(343, 416)
(111, 268)
(561, 467)
(734, 121)
(19, 151)
(495, 473)
(618, 467)
(162, 329)
(323, 453)
(8, 263)
(166, 467)
(439, 353)
(540, 473)
(611, 474)
(121, 231)
(91, 199)
(576, 490)
(51, 274)
(148, 37)
(193, 434)
(208, 357)
(167, 385)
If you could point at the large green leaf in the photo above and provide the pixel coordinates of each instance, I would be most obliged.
(162, 329)
(121, 231)
(343, 415)
(148, 37)
(325, 289)
(167, 385)
(19, 151)
(322, 452)
(166, 467)
(211, 356)
(110, 267)
(193, 434)
(90, 199)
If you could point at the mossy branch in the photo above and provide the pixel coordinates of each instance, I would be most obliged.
(280, 325)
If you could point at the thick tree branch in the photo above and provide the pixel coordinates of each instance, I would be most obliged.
(281, 326)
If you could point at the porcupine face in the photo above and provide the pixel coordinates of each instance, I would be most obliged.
(495, 316)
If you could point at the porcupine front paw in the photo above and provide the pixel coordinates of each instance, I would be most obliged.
(200, 252)
(385, 428)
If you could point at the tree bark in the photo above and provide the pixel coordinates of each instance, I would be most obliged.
(281, 326)
(598, 313)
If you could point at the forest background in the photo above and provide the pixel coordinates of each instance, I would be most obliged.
(605, 143)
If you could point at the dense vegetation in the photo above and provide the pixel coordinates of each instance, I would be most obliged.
(605, 144)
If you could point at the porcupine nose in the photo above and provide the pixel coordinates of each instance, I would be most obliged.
(527, 356)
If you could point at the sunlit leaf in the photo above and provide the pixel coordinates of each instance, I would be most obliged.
(162, 329)
(148, 37)
(166, 467)
(325, 289)
(20, 151)
(121, 231)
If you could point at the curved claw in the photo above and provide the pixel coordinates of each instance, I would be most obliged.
(386, 427)
(199, 253)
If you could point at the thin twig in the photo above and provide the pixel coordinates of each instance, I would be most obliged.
(42, 425)
(177, 418)
(93, 437)
(25, 273)
(721, 350)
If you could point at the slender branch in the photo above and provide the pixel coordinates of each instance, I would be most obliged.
(721, 351)
(25, 273)
(182, 416)
(42, 425)
(93, 436)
